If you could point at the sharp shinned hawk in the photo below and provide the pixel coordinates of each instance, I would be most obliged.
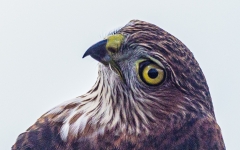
(150, 94)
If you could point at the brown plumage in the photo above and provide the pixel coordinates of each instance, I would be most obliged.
(150, 94)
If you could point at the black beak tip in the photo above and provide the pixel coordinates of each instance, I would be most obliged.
(97, 50)
(85, 54)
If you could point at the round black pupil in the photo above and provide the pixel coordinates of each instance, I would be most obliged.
(153, 73)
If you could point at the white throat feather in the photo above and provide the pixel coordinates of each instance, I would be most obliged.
(106, 106)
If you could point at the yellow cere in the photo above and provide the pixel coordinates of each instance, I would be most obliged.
(114, 42)
(157, 79)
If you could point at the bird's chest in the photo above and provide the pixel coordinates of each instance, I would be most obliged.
(171, 138)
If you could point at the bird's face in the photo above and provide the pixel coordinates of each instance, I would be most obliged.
(133, 65)
(150, 93)
(149, 76)
(147, 81)
(153, 65)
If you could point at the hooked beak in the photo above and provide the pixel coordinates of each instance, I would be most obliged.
(98, 52)
(103, 51)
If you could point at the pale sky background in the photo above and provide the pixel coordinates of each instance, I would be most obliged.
(42, 43)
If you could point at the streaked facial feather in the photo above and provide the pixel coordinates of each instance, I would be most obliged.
(134, 107)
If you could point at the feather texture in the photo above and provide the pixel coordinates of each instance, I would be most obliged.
(129, 114)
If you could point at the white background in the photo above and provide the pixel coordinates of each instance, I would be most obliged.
(42, 42)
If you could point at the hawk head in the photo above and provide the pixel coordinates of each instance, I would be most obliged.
(150, 94)
(147, 80)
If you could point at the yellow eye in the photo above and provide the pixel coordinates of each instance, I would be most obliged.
(151, 73)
